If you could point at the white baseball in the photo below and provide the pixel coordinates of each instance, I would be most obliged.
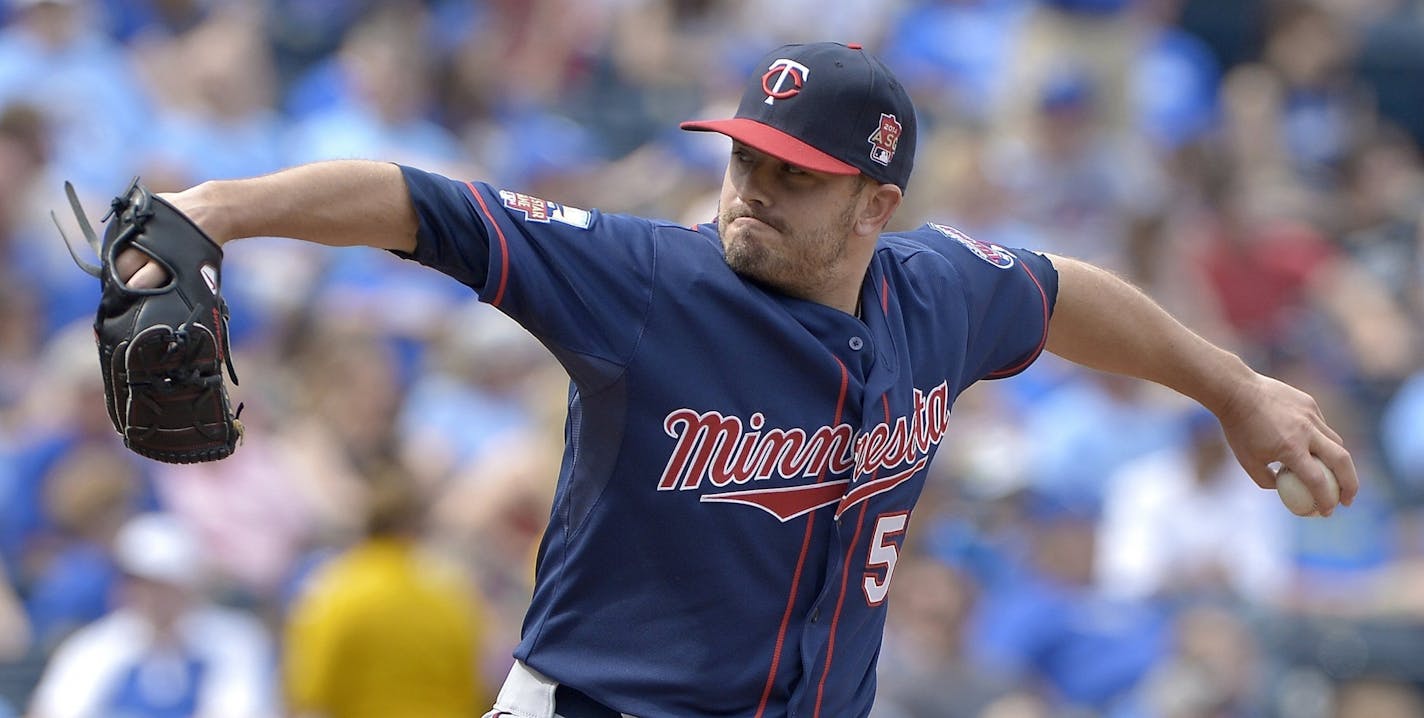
(1296, 496)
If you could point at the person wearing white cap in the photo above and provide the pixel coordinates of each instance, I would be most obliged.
(165, 651)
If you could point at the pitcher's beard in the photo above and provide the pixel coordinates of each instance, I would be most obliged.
(745, 255)
(796, 263)
(749, 258)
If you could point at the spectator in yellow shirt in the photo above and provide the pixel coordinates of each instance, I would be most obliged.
(385, 629)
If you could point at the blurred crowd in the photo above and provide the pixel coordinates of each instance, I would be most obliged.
(1086, 546)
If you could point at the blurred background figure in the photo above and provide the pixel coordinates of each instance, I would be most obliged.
(165, 649)
(14, 627)
(926, 670)
(15, 636)
(88, 494)
(1084, 188)
(376, 98)
(386, 628)
(1213, 669)
(218, 117)
(1188, 523)
(1378, 699)
(54, 55)
(1044, 623)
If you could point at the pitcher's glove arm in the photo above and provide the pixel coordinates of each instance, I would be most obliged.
(162, 350)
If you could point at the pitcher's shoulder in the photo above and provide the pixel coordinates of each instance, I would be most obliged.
(948, 242)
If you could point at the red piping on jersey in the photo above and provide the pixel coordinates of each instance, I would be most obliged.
(885, 295)
(1041, 342)
(840, 603)
(800, 561)
(503, 247)
(845, 574)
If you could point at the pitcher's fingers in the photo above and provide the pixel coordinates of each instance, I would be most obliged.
(1319, 422)
(130, 261)
(148, 276)
(1340, 462)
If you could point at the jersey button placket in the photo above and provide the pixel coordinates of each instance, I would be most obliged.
(856, 343)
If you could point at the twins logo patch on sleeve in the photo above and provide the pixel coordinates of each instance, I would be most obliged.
(543, 211)
(991, 253)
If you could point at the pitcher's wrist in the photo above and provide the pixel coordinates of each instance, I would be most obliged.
(199, 204)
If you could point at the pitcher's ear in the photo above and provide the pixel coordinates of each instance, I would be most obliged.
(879, 204)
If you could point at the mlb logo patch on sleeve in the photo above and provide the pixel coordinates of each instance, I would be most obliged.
(991, 253)
(543, 211)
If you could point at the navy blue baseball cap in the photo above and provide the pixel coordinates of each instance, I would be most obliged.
(826, 107)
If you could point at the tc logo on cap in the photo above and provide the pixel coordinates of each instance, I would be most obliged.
(885, 139)
(781, 72)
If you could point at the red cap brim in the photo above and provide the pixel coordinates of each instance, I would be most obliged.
(774, 142)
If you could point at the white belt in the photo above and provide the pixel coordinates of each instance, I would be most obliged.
(527, 693)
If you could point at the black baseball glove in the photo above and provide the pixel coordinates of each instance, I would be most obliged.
(162, 350)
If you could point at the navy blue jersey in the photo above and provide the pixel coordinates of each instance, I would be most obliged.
(741, 466)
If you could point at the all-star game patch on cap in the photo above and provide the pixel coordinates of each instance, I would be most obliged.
(829, 108)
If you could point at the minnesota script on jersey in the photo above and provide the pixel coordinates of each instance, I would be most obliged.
(742, 466)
